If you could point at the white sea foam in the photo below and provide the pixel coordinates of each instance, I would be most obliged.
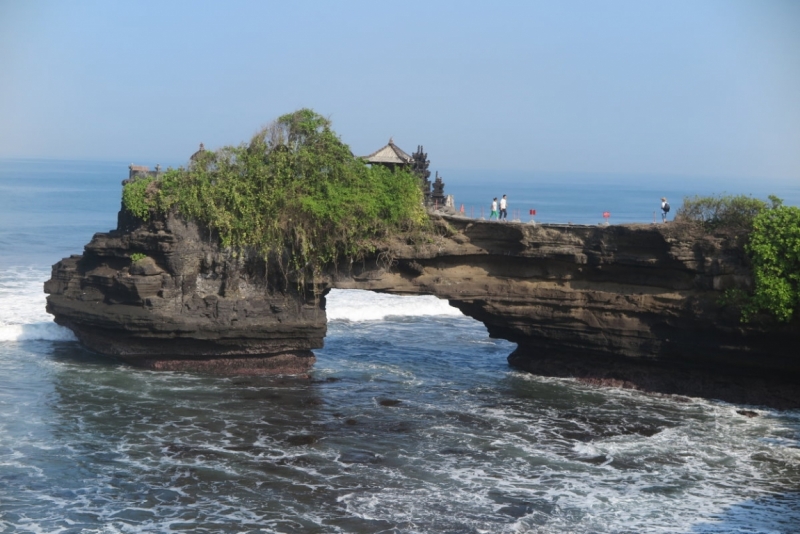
(22, 308)
(38, 331)
(23, 316)
(358, 305)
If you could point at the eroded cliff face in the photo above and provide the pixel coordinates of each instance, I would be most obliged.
(617, 305)
(186, 305)
(636, 291)
(632, 305)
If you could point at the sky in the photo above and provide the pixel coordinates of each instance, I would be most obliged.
(689, 88)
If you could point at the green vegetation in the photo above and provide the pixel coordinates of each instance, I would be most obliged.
(774, 250)
(137, 256)
(135, 197)
(734, 213)
(771, 233)
(295, 191)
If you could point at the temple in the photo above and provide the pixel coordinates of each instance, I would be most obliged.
(391, 156)
(142, 171)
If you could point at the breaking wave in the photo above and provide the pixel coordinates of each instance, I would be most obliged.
(357, 305)
(23, 316)
(22, 307)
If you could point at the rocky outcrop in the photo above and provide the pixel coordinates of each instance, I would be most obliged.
(646, 292)
(629, 306)
(620, 305)
(185, 304)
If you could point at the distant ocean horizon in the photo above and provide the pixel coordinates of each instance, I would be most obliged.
(582, 198)
(557, 197)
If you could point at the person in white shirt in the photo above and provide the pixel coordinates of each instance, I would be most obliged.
(494, 209)
(503, 212)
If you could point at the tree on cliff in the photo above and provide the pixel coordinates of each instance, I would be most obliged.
(774, 251)
(294, 191)
(770, 232)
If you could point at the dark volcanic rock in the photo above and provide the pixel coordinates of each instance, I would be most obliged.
(302, 439)
(187, 306)
(626, 306)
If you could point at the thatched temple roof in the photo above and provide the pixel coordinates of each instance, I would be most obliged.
(391, 154)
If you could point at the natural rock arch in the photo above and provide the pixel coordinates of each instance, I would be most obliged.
(631, 305)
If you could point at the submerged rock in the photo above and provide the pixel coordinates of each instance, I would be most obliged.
(302, 439)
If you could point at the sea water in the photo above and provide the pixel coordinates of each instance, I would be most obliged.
(585, 198)
(411, 420)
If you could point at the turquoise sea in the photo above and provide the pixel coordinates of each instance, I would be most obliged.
(412, 421)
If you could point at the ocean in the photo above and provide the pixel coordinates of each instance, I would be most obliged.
(411, 421)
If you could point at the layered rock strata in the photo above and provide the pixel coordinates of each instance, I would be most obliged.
(161, 295)
(631, 305)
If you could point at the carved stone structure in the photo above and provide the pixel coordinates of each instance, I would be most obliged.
(142, 171)
(420, 165)
(438, 197)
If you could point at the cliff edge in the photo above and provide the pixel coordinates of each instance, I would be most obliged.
(634, 306)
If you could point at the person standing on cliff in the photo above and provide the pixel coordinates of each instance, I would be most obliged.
(664, 209)
(503, 212)
(494, 209)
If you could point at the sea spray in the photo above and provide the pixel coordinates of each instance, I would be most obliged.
(350, 305)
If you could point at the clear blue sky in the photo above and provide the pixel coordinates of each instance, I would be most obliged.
(695, 88)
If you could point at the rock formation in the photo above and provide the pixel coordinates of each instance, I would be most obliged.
(186, 304)
(628, 305)
(634, 306)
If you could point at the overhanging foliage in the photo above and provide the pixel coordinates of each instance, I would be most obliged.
(295, 191)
